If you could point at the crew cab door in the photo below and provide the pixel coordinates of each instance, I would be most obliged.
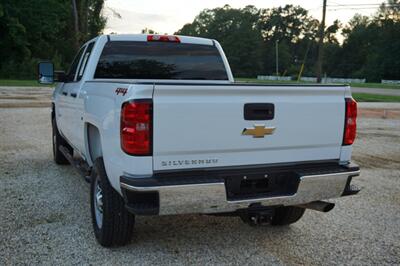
(76, 102)
(63, 104)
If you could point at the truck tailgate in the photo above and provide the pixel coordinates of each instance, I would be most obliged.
(198, 126)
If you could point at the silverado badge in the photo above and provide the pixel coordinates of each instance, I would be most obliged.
(259, 131)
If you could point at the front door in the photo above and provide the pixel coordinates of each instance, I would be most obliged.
(68, 95)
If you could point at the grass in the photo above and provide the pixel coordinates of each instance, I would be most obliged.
(22, 83)
(375, 85)
(357, 85)
(365, 97)
(254, 80)
(360, 97)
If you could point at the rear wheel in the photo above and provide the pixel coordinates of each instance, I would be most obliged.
(112, 223)
(287, 215)
(59, 141)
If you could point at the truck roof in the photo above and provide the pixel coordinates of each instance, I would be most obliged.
(143, 37)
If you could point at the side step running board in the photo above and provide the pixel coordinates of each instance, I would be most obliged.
(81, 166)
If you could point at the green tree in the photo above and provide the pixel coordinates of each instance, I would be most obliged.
(289, 23)
(371, 48)
(237, 30)
(88, 20)
(389, 11)
(42, 29)
(148, 31)
(295, 30)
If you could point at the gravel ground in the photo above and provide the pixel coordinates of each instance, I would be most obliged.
(45, 215)
(14, 97)
(393, 92)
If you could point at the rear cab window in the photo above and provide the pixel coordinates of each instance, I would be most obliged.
(160, 60)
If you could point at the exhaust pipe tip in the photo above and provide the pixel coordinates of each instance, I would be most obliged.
(321, 206)
(328, 207)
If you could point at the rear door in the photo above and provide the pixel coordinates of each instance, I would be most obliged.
(197, 126)
(76, 102)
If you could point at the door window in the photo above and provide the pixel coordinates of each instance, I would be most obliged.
(74, 65)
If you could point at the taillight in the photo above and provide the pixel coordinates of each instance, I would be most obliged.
(136, 127)
(350, 123)
(163, 38)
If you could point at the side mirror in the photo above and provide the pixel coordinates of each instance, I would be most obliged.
(60, 76)
(46, 73)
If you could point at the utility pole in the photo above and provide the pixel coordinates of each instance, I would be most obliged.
(321, 44)
(304, 61)
(76, 24)
(277, 57)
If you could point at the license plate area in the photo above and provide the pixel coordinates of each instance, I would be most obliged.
(257, 185)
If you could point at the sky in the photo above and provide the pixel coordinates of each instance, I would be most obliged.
(170, 15)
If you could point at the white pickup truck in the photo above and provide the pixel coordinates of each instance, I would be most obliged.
(158, 126)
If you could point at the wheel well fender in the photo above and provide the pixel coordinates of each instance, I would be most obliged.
(93, 143)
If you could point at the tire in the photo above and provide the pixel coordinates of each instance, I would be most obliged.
(112, 223)
(58, 141)
(287, 215)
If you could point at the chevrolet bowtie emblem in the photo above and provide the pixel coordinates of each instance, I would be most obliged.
(259, 131)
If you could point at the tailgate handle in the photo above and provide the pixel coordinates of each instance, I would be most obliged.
(259, 111)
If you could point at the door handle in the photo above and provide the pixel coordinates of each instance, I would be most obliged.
(259, 111)
(73, 94)
(64, 93)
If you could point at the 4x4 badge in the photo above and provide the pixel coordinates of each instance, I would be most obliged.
(258, 131)
(123, 91)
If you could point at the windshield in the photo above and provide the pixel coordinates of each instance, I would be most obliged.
(160, 60)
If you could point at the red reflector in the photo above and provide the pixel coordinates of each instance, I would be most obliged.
(136, 127)
(163, 38)
(350, 124)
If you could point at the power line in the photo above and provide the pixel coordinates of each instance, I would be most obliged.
(351, 8)
(359, 6)
(337, 4)
(363, 5)
(341, 7)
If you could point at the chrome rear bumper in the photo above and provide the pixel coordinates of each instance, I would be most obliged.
(211, 196)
